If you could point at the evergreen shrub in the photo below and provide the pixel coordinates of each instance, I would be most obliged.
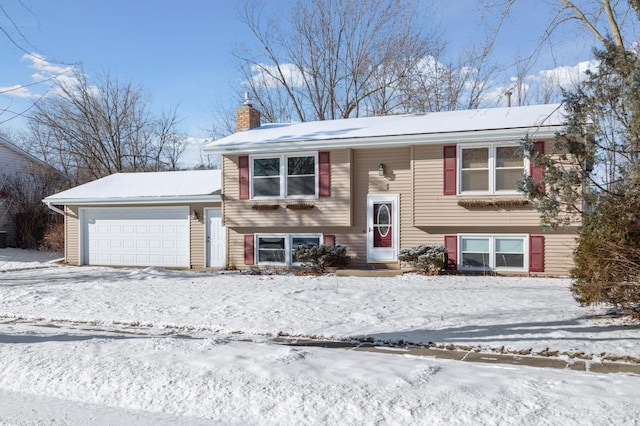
(317, 258)
(425, 258)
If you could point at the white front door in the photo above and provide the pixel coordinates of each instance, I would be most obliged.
(216, 254)
(382, 228)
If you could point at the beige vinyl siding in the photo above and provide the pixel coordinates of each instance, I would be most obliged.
(197, 232)
(433, 209)
(326, 211)
(426, 215)
(558, 247)
(365, 181)
(397, 180)
(558, 253)
(72, 235)
(235, 248)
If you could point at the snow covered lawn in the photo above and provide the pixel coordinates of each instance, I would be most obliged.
(82, 345)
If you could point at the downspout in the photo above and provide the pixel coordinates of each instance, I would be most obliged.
(54, 208)
(57, 210)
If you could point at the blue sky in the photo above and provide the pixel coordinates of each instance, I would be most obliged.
(181, 51)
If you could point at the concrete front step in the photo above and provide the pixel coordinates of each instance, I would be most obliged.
(368, 272)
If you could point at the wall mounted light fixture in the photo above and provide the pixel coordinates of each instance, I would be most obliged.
(381, 170)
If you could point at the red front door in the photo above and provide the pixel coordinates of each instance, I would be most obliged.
(382, 225)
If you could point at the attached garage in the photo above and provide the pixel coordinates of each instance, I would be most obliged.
(135, 236)
(165, 219)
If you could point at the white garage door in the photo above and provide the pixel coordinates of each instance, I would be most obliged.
(135, 236)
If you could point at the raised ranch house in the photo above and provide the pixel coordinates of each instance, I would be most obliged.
(13, 162)
(170, 219)
(380, 184)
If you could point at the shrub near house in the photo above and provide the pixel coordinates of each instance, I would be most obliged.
(426, 259)
(318, 258)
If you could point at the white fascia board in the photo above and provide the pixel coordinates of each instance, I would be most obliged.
(541, 132)
(131, 200)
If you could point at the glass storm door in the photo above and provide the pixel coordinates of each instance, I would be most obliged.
(382, 228)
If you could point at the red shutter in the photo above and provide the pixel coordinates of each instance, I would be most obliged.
(536, 253)
(243, 176)
(451, 244)
(249, 249)
(537, 172)
(329, 240)
(449, 156)
(324, 174)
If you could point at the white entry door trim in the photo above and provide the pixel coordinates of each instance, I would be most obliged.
(383, 219)
(215, 238)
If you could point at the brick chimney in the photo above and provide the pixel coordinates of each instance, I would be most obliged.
(247, 117)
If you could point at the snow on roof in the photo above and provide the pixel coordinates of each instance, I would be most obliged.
(141, 187)
(487, 119)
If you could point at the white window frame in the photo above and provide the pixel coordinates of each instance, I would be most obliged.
(288, 247)
(492, 252)
(492, 168)
(283, 175)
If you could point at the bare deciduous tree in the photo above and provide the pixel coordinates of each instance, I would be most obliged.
(333, 57)
(92, 130)
(23, 193)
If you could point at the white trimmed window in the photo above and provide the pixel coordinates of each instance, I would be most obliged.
(489, 169)
(284, 176)
(507, 252)
(277, 249)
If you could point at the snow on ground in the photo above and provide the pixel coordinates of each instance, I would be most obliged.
(14, 259)
(84, 345)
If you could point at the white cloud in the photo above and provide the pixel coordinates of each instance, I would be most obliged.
(17, 90)
(543, 85)
(263, 75)
(45, 68)
(565, 76)
(45, 71)
(193, 155)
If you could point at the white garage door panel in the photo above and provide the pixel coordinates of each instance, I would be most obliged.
(154, 236)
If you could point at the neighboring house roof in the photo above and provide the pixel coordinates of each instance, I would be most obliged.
(18, 152)
(144, 188)
(397, 130)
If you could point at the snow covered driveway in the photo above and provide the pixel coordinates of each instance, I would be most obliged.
(69, 355)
